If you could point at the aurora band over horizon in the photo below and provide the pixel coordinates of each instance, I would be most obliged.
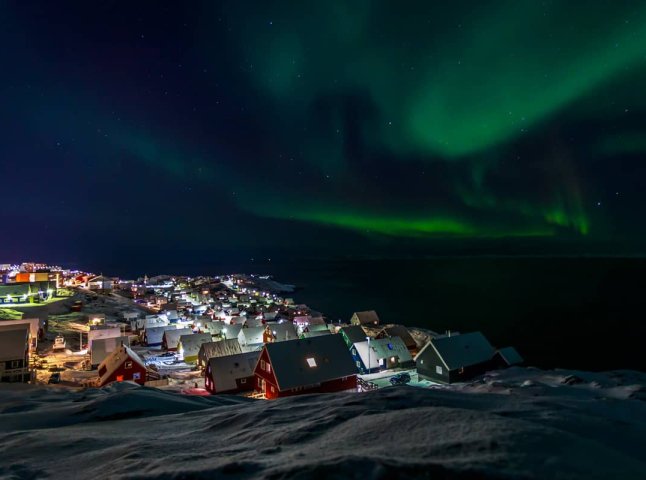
(429, 84)
(474, 119)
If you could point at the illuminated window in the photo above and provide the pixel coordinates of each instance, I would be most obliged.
(268, 367)
(119, 378)
(128, 365)
(311, 362)
(438, 369)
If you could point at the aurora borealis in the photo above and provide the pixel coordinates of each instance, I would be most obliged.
(349, 124)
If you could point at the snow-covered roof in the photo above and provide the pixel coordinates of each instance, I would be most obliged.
(366, 317)
(222, 348)
(190, 344)
(214, 327)
(172, 336)
(14, 341)
(383, 348)
(156, 334)
(461, 350)
(251, 336)
(108, 332)
(102, 347)
(232, 331)
(226, 370)
(284, 331)
(309, 361)
(113, 361)
(253, 322)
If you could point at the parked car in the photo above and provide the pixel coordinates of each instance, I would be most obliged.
(400, 379)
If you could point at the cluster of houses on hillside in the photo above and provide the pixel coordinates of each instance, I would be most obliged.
(283, 356)
(244, 339)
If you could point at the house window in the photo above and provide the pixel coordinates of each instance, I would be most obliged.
(272, 389)
(136, 376)
(16, 363)
(268, 367)
(243, 380)
(354, 351)
(262, 364)
(311, 362)
(358, 363)
(128, 365)
(438, 370)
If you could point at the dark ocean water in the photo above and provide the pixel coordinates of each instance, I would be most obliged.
(583, 313)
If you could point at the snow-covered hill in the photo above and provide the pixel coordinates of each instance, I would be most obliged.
(518, 423)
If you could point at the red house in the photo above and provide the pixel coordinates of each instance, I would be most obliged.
(121, 365)
(231, 373)
(310, 365)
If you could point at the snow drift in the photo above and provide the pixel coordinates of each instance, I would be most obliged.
(518, 423)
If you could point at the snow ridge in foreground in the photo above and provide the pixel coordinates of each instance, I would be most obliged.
(518, 423)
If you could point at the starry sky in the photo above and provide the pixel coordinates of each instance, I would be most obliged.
(149, 129)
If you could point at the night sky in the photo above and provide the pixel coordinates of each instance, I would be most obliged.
(134, 130)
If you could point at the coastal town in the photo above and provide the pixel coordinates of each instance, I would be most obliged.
(229, 334)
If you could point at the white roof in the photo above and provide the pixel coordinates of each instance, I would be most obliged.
(383, 348)
(113, 361)
(156, 334)
(172, 336)
(102, 347)
(102, 333)
(190, 344)
(251, 335)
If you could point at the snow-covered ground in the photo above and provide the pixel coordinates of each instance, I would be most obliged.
(517, 423)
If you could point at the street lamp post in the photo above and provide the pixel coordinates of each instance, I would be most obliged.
(368, 338)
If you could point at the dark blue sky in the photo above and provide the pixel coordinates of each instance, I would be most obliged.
(156, 130)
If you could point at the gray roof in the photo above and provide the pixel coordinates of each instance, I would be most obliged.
(226, 370)
(510, 355)
(462, 350)
(223, 348)
(354, 333)
(14, 342)
(329, 353)
(284, 331)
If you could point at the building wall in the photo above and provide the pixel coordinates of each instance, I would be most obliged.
(123, 374)
(242, 384)
(427, 367)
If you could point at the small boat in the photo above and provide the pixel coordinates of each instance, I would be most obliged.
(59, 343)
